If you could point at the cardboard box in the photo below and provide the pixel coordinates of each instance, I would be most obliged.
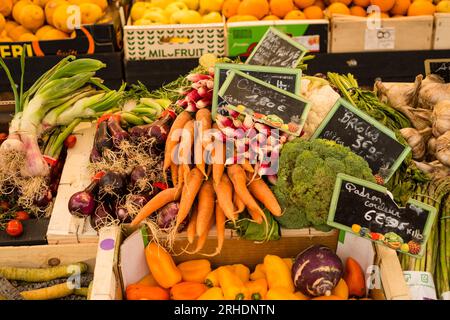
(161, 42)
(242, 37)
(441, 28)
(356, 34)
(99, 258)
(132, 264)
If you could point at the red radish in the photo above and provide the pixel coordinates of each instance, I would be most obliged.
(191, 107)
(182, 102)
(203, 103)
(193, 95)
(70, 141)
(195, 77)
(202, 92)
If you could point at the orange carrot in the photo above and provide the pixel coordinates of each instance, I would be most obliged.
(239, 205)
(190, 190)
(180, 176)
(220, 227)
(203, 116)
(239, 180)
(187, 140)
(174, 173)
(202, 239)
(247, 166)
(224, 193)
(172, 141)
(218, 165)
(261, 191)
(206, 200)
(192, 224)
(157, 202)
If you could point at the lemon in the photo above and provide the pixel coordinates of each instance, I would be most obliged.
(443, 6)
(185, 17)
(207, 6)
(156, 16)
(208, 60)
(192, 4)
(212, 17)
(174, 7)
(356, 228)
(138, 10)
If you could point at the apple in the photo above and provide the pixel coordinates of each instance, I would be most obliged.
(156, 16)
(192, 4)
(185, 17)
(207, 6)
(174, 7)
(212, 17)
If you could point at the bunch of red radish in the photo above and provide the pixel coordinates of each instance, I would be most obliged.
(199, 95)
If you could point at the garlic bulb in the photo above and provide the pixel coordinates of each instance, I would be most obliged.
(431, 147)
(441, 118)
(443, 148)
(415, 141)
(435, 168)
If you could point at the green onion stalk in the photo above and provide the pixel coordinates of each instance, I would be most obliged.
(63, 96)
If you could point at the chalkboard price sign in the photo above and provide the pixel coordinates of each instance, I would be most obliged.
(276, 49)
(264, 102)
(441, 67)
(284, 78)
(365, 136)
(367, 209)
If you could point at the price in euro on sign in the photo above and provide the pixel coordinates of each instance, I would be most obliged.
(367, 209)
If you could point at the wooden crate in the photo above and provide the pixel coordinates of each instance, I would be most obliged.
(100, 259)
(64, 228)
(441, 31)
(357, 34)
(236, 250)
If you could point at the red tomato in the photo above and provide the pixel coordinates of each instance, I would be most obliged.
(22, 215)
(70, 141)
(4, 205)
(3, 137)
(14, 228)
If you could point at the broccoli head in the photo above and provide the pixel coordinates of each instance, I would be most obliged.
(306, 179)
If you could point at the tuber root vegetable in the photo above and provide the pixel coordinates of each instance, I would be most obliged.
(441, 118)
(443, 148)
(42, 274)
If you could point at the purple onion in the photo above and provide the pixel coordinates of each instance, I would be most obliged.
(100, 217)
(43, 200)
(167, 215)
(317, 270)
(82, 204)
(138, 173)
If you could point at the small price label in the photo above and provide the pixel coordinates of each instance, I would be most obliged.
(380, 38)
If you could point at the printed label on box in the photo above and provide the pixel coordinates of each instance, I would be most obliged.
(312, 43)
(421, 285)
(380, 39)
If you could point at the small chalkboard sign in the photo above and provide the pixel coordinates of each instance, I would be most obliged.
(441, 67)
(367, 209)
(284, 78)
(276, 49)
(365, 136)
(264, 102)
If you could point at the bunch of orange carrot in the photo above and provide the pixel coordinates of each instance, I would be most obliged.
(207, 194)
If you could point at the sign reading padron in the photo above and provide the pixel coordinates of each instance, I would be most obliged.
(276, 49)
(365, 136)
(284, 78)
(264, 102)
(367, 209)
(441, 67)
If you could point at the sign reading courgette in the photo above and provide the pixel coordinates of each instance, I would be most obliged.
(284, 78)
(365, 136)
(264, 102)
(367, 209)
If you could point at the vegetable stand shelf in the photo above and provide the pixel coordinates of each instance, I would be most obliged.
(52, 255)
(399, 66)
(36, 66)
(131, 266)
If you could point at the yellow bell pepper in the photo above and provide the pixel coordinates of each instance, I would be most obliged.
(281, 293)
(259, 273)
(195, 270)
(289, 262)
(148, 280)
(301, 296)
(278, 274)
(243, 272)
(214, 293)
(212, 279)
(232, 286)
(257, 289)
(162, 266)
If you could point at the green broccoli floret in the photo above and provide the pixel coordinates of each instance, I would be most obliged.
(306, 180)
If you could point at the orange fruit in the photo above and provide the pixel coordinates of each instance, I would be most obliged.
(313, 12)
(257, 8)
(281, 7)
(346, 2)
(385, 5)
(17, 9)
(9, 25)
(17, 32)
(421, 8)
(54, 34)
(302, 4)
(400, 7)
(240, 18)
(6, 7)
(50, 8)
(90, 13)
(320, 4)
(337, 8)
(6, 39)
(230, 7)
(361, 3)
(2, 23)
(295, 15)
(28, 37)
(358, 11)
(383, 15)
(270, 17)
(32, 17)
